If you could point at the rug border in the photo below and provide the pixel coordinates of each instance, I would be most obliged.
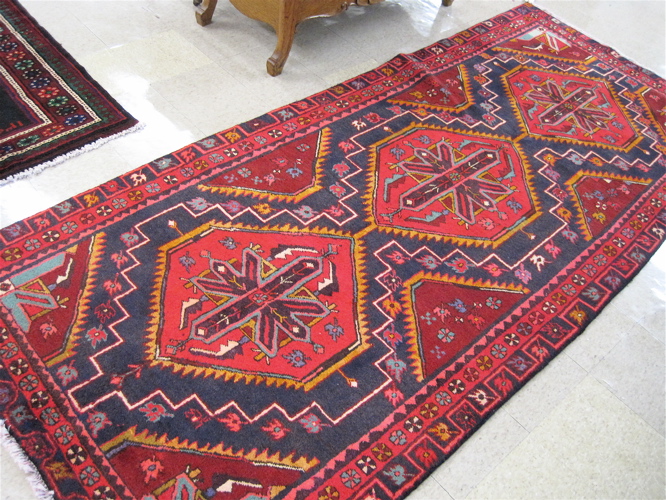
(79, 142)
(582, 329)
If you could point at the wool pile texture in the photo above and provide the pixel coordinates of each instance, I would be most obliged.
(326, 301)
(50, 107)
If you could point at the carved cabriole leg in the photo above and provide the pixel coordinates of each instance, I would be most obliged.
(446, 3)
(204, 13)
(286, 29)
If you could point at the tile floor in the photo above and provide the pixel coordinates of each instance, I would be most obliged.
(590, 425)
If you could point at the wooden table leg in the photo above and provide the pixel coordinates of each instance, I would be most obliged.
(446, 3)
(286, 29)
(204, 13)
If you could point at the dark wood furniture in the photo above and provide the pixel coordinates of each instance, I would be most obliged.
(283, 16)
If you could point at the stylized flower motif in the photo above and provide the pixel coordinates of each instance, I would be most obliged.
(119, 259)
(334, 330)
(498, 351)
(48, 92)
(396, 367)
(350, 478)
(21, 413)
(312, 423)
(67, 373)
(484, 363)
(493, 302)
(47, 329)
(229, 243)
(346, 146)
(539, 351)
(95, 336)
(335, 211)
(196, 417)
(592, 293)
(502, 384)
(459, 265)
(425, 455)
(337, 190)
(187, 261)
(576, 158)
(391, 280)
(391, 306)
(294, 172)
(578, 315)
(398, 438)
(263, 208)
(198, 204)
(487, 223)
(151, 467)
(37, 447)
(112, 287)
(154, 412)
(459, 305)
(232, 421)
(570, 235)
(446, 335)
(105, 312)
(129, 239)
(296, 358)
(397, 474)
(428, 261)
(393, 395)
(397, 257)
(481, 397)
(97, 421)
(477, 321)
(119, 379)
(305, 212)
(494, 270)
(443, 398)
(275, 429)
(232, 206)
(523, 274)
(392, 337)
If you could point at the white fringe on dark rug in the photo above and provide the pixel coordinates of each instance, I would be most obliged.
(39, 487)
(71, 154)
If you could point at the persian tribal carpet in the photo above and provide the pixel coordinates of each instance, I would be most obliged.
(50, 105)
(326, 301)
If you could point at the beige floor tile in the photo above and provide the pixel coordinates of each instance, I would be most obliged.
(159, 57)
(600, 20)
(651, 285)
(65, 27)
(529, 472)
(165, 127)
(599, 337)
(545, 391)
(196, 101)
(104, 17)
(590, 446)
(634, 372)
(430, 489)
(480, 454)
(15, 196)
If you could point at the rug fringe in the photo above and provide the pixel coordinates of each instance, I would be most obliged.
(67, 156)
(24, 463)
(574, 26)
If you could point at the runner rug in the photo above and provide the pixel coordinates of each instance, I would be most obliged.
(326, 301)
(50, 106)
